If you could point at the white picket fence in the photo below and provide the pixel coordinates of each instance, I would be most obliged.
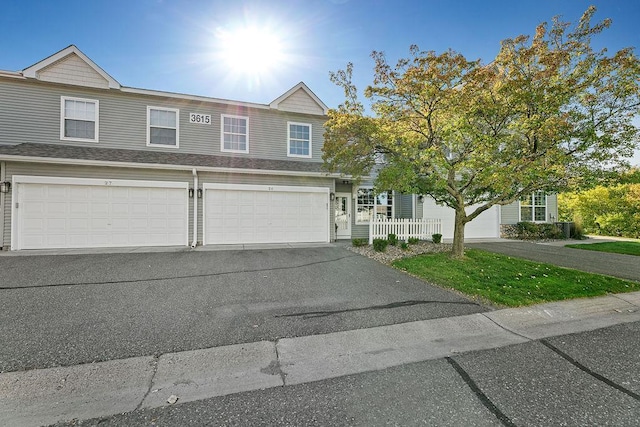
(404, 228)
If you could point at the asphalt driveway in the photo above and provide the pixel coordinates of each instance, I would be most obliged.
(610, 264)
(59, 310)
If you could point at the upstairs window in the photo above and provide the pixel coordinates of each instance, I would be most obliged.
(369, 204)
(162, 126)
(235, 134)
(79, 119)
(533, 207)
(299, 140)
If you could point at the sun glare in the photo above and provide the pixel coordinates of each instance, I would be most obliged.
(251, 51)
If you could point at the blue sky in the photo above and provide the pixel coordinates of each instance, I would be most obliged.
(183, 46)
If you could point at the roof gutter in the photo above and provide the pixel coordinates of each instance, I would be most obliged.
(195, 208)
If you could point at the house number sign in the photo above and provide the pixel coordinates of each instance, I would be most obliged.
(203, 119)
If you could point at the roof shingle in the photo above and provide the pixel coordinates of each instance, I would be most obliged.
(113, 155)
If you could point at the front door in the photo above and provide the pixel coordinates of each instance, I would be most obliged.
(343, 216)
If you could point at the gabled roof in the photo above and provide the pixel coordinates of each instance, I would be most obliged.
(300, 86)
(71, 66)
(32, 71)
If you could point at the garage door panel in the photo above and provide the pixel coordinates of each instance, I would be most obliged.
(69, 215)
(265, 215)
(78, 208)
(99, 193)
(54, 208)
(98, 224)
(81, 224)
(486, 225)
(57, 191)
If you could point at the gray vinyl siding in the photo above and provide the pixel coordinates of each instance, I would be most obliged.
(404, 205)
(510, 214)
(419, 209)
(30, 112)
(37, 169)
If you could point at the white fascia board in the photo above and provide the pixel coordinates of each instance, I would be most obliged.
(82, 162)
(148, 92)
(275, 188)
(12, 74)
(28, 179)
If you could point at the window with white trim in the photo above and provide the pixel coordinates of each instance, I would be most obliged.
(533, 207)
(235, 134)
(369, 204)
(79, 119)
(298, 139)
(163, 126)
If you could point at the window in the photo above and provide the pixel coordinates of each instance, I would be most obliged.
(162, 126)
(533, 207)
(299, 140)
(369, 204)
(235, 134)
(78, 119)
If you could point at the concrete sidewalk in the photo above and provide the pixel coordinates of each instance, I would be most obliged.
(45, 396)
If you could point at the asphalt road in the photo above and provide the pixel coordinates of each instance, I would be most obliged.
(610, 264)
(590, 378)
(63, 310)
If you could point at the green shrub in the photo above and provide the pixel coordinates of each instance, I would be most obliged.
(393, 239)
(551, 231)
(404, 245)
(436, 238)
(359, 242)
(577, 232)
(534, 231)
(613, 210)
(379, 245)
(413, 240)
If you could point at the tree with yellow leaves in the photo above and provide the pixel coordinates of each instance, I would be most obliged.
(543, 115)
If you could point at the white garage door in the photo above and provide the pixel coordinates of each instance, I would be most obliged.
(89, 213)
(263, 214)
(485, 225)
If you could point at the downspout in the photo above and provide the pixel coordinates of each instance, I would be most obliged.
(195, 208)
(3, 197)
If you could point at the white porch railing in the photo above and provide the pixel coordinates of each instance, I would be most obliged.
(404, 228)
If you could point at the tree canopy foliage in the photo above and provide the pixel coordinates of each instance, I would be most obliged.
(608, 210)
(544, 114)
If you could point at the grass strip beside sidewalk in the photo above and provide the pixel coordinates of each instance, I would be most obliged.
(509, 281)
(625, 248)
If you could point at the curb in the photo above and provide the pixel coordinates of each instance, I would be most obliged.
(47, 396)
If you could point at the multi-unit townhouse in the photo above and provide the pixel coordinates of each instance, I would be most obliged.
(86, 162)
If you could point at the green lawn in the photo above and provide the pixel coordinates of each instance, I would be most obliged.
(626, 248)
(510, 281)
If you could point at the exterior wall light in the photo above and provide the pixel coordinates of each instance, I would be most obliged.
(421, 198)
(332, 196)
(5, 187)
(191, 193)
(199, 193)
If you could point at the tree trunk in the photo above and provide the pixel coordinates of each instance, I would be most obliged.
(458, 234)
